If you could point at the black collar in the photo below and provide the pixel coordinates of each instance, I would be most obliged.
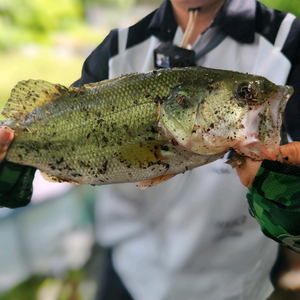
(236, 19)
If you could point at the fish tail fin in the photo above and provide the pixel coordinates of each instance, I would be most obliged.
(28, 94)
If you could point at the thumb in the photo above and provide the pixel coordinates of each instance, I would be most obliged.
(291, 152)
(247, 171)
(6, 137)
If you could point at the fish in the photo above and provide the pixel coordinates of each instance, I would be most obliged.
(143, 127)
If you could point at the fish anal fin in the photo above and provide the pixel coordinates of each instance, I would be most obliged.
(154, 181)
(52, 178)
(27, 95)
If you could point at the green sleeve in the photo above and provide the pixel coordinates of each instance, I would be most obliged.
(274, 201)
(15, 184)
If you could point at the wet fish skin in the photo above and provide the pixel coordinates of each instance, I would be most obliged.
(144, 125)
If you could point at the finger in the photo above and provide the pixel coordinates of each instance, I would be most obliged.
(291, 152)
(6, 137)
(247, 171)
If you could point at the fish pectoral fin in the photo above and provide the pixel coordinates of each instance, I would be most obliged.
(142, 155)
(52, 178)
(29, 94)
(154, 181)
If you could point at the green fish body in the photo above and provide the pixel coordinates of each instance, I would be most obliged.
(143, 127)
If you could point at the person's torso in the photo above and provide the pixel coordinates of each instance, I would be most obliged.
(192, 236)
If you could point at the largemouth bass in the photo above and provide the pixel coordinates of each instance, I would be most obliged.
(143, 127)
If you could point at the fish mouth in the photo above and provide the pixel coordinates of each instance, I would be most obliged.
(278, 105)
(262, 126)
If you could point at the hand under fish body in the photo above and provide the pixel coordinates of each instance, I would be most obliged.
(144, 127)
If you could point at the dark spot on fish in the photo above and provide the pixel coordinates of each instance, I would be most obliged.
(181, 100)
(76, 174)
(174, 142)
(103, 169)
(153, 130)
(60, 161)
(157, 99)
(112, 124)
(105, 139)
(146, 94)
(100, 121)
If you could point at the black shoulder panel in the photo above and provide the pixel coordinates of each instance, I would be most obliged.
(95, 67)
(268, 21)
(139, 31)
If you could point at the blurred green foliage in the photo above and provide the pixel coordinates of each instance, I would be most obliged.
(115, 3)
(292, 6)
(24, 21)
(39, 286)
(25, 290)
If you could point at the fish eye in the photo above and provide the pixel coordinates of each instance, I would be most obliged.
(245, 92)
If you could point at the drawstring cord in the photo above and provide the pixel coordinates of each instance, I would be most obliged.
(190, 26)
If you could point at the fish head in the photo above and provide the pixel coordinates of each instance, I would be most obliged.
(263, 103)
(227, 110)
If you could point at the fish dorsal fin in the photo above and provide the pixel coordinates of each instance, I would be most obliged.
(28, 94)
(97, 84)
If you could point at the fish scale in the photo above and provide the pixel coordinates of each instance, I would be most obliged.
(138, 127)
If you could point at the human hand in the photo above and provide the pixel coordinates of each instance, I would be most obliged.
(15, 180)
(6, 137)
(247, 171)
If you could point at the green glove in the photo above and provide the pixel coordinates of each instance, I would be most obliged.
(15, 184)
(274, 201)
